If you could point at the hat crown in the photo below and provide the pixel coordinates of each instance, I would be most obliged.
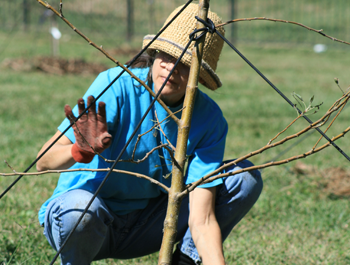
(186, 23)
(176, 36)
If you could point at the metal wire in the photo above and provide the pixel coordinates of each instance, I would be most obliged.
(210, 24)
(88, 107)
(284, 97)
(121, 153)
(150, 107)
(123, 150)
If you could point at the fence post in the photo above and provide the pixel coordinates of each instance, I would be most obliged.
(151, 16)
(233, 16)
(130, 20)
(26, 7)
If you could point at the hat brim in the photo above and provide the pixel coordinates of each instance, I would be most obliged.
(209, 77)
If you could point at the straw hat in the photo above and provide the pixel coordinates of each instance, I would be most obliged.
(174, 39)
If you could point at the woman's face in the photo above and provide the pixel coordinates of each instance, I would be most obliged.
(174, 90)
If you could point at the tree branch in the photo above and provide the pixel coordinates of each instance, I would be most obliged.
(285, 129)
(157, 124)
(336, 106)
(160, 128)
(209, 178)
(87, 169)
(336, 116)
(320, 31)
(100, 48)
(131, 160)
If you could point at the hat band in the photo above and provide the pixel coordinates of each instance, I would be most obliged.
(204, 64)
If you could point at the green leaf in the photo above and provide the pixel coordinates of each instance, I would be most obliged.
(298, 96)
(311, 99)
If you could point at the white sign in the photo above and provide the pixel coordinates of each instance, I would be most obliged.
(56, 34)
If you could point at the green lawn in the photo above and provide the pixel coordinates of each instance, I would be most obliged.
(295, 220)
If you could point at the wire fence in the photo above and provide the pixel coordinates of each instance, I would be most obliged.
(122, 21)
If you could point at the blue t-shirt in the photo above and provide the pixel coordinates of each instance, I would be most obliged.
(126, 102)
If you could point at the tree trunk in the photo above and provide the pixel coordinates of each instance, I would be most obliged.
(177, 183)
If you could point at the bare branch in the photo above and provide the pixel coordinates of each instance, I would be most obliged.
(154, 126)
(150, 152)
(336, 116)
(285, 129)
(320, 31)
(90, 170)
(111, 58)
(336, 80)
(209, 178)
(9, 166)
(160, 128)
(131, 160)
(61, 7)
(336, 106)
(173, 158)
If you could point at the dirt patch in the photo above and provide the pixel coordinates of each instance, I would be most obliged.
(336, 181)
(53, 65)
(127, 51)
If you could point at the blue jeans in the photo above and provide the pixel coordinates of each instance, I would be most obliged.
(101, 234)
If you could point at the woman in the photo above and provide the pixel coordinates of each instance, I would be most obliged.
(126, 219)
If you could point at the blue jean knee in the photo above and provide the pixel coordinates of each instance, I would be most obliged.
(61, 217)
(234, 198)
(241, 186)
(237, 195)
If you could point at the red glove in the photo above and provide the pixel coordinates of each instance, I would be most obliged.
(93, 127)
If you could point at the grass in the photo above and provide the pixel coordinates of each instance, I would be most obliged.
(294, 222)
(245, 94)
(100, 18)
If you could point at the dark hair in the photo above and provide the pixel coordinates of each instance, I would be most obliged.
(143, 61)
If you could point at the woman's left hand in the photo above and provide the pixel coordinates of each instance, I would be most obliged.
(90, 130)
